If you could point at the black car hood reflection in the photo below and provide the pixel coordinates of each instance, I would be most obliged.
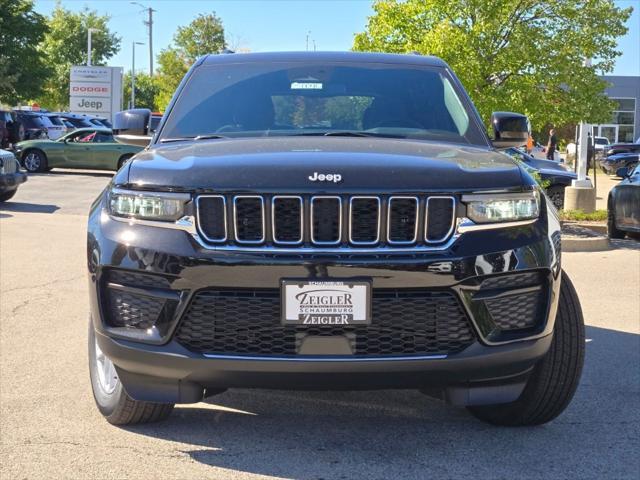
(285, 164)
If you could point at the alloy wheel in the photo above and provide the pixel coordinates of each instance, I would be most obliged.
(107, 375)
(32, 161)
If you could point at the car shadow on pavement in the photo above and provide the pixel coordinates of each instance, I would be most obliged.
(624, 244)
(28, 207)
(403, 434)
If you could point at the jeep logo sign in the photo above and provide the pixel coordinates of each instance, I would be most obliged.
(87, 104)
(325, 177)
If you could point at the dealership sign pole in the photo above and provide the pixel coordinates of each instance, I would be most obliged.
(95, 90)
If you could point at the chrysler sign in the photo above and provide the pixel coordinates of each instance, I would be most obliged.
(95, 90)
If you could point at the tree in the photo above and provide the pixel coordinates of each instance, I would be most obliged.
(65, 44)
(171, 69)
(22, 69)
(526, 56)
(203, 35)
(146, 91)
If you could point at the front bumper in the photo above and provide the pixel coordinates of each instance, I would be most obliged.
(492, 369)
(11, 181)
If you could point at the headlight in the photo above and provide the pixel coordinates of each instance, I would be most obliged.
(508, 207)
(147, 205)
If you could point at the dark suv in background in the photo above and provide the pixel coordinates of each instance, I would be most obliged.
(328, 221)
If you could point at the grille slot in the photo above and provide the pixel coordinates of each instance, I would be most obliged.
(402, 220)
(439, 218)
(248, 218)
(364, 220)
(326, 220)
(212, 216)
(404, 322)
(287, 220)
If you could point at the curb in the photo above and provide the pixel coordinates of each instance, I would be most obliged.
(596, 227)
(591, 244)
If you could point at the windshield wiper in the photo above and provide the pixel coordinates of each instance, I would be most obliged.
(208, 136)
(348, 133)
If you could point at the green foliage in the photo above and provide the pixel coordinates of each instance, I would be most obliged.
(22, 68)
(65, 44)
(525, 56)
(171, 69)
(203, 35)
(579, 215)
(147, 89)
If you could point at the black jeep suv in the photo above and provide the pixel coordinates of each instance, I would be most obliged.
(328, 221)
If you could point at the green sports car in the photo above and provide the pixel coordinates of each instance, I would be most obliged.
(92, 148)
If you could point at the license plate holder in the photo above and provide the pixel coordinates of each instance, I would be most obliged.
(326, 302)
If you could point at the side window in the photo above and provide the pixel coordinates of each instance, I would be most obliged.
(455, 107)
(103, 138)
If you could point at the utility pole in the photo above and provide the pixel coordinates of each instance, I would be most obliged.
(149, 24)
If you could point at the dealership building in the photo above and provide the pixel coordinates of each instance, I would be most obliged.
(625, 121)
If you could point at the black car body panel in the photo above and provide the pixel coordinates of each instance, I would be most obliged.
(11, 175)
(624, 201)
(182, 315)
(612, 163)
(257, 163)
(617, 148)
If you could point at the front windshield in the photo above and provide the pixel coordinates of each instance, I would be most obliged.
(283, 99)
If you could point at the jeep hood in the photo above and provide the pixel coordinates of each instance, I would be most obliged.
(281, 164)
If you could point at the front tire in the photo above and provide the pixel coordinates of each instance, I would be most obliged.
(122, 160)
(7, 195)
(555, 378)
(556, 195)
(612, 230)
(111, 399)
(35, 161)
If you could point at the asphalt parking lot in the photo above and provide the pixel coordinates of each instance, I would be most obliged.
(50, 428)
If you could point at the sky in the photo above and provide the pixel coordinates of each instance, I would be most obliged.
(271, 25)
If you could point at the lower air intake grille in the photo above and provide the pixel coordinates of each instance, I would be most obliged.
(511, 309)
(404, 322)
(130, 310)
(515, 312)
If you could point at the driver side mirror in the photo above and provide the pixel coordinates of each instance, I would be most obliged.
(509, 129)
(622, 172)
(131, 127)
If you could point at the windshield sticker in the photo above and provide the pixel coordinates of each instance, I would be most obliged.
(306, 86)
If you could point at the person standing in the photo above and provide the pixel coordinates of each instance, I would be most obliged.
(552, 144)
(530, 144)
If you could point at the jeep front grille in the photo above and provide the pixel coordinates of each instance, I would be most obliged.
(331, 221)
(247, 321)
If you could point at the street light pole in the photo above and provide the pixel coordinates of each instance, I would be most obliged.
(133, 74)
(89, 32)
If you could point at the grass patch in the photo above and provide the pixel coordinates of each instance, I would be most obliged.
(580, 216)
